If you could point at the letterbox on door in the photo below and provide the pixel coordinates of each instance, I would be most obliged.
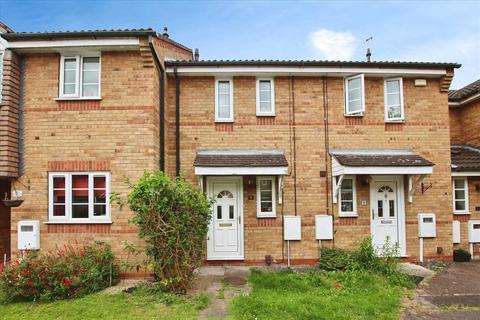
(426, 225)
(474, 231)
(29, 235)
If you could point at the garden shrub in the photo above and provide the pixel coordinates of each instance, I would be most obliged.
(364, 258)
(173, 218)
(67, 272)
(461, 255)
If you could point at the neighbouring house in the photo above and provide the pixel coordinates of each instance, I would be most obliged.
(85, 111)
(365, 143)
(465, 138)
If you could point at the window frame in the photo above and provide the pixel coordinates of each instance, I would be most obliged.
(465, 185)
(347, 104)
(68, 197)
(271, 113)
(79, 77)
(273, 213)
(231, 118)
(402, 112)
(354, 199)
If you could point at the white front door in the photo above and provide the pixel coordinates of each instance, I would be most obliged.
(387, 216)
(225, 236)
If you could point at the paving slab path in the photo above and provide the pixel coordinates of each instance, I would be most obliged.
(221, 284)
(453, 293)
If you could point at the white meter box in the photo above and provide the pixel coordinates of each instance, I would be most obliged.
(427, 225)
(456, 231)
(29, 235)
(474, 231)
(292, 228)
(323, 227)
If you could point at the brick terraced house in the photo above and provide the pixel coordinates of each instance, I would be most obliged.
(465, 138)
(362, 146)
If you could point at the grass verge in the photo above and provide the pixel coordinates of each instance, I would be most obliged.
(316, 295)
(143, 303)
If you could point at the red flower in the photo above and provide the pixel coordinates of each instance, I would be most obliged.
(66, 282)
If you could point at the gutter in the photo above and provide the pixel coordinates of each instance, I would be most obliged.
(161, 71)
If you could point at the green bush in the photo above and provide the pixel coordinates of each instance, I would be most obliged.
(67, 272)
(173, 219)
(364, 258)
(461, 255)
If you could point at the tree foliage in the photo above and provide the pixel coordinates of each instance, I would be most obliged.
(173, 218)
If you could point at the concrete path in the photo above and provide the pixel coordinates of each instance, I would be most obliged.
(453, 293)
(221, 284)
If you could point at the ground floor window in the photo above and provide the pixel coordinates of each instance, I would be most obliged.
(266, 197)
(79, 196)
(347, 195)
(460, 195)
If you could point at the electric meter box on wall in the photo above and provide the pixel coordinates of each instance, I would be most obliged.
(323, 227)
(29, 235)
(292, 228)
(427, 225)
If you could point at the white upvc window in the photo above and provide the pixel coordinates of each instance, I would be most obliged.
(394, 111)
(82, 197)
(460, 195)
(265, 97)
(355, 95)
(266, 197)
(224, 100)
(348, 197)
(80, 77)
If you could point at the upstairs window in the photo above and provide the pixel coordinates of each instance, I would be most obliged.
(354, 95)
(266, 197)
(79, 197)
(265, 97)
(394, 100)
(460, 195)
(348, 198)
(80, 77)
(223, 101)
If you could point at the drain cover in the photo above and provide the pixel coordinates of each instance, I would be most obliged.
(235, 280)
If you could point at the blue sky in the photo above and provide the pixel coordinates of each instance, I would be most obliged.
(401, 30)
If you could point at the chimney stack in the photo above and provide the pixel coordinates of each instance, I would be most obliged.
(165, 32)
(196, 56)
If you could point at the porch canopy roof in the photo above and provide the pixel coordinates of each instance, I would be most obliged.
(465, 160)
(381, 162)
(240, 162)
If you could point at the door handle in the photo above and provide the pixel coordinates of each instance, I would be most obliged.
(239, 220)
(373, 214)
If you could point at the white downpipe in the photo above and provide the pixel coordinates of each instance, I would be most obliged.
(421, 249)
(471, 249)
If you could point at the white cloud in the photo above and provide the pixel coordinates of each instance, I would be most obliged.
(333, 45)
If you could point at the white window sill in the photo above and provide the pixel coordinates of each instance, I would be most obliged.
(461, 213)
(357, 115)
(395, 121)
(78, 98)
(223, 121)
(261, 216)
(78, 222)
(348, 215)
(266, 115)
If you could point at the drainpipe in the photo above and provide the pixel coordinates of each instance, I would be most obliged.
(161, 72)
(177, 122)
(327, 150)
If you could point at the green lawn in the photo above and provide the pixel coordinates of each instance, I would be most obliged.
(335, 295)
(142, 304)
